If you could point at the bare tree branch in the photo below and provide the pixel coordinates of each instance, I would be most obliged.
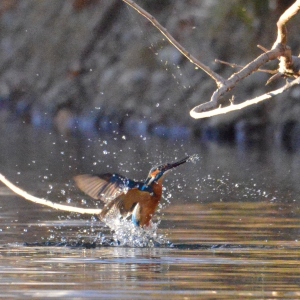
(46, 202)
(281, 24)
(233, 107)
(289, 66)
(231, 83)
(286, 68)
(218, 79)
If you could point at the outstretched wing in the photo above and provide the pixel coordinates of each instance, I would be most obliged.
(105, 187)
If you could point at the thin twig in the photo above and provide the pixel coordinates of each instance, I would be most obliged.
(262, 48)
(218, 79)
(273, 78)
(233, 65)
(46, 202)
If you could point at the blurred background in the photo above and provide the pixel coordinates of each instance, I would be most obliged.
(90, 86)
(98, 66)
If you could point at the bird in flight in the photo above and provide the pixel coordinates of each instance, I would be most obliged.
(125, 197)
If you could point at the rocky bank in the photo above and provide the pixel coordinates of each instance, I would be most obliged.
(98, 65)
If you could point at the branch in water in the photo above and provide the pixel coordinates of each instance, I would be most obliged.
(46, 202)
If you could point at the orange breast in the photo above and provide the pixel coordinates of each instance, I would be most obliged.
(149, 204)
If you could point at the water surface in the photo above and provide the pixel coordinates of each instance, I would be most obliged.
(228, 225)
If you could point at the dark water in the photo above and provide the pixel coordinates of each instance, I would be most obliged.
(228, 226)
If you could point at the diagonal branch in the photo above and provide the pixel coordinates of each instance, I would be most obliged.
(218, 79)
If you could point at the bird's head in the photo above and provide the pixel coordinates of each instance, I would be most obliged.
(157, 173)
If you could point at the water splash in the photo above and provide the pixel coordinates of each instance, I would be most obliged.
(125, 233)
(193, 158)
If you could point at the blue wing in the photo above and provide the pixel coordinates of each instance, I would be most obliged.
(106, 187)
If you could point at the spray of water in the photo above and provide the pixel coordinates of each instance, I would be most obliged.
(194, 158)
(125, 233)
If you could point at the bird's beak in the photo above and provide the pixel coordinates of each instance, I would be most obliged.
(163, 170)
(168, 167)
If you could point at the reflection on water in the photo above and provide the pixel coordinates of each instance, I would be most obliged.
(150, 273)
(230, 222)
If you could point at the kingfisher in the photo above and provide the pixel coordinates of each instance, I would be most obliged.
(126, 197)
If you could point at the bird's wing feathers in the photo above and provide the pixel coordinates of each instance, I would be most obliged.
(119, 193)
(105, 187)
